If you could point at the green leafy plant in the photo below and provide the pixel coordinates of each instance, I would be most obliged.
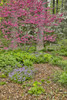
(47, 57)
(63, 78)
(3, 76)
(37, 89)
(55, 60)
(6, 60)
(26, 85)
(2, 83)
(27, 62)
(42, 80)
(62, 64)
(7, 70)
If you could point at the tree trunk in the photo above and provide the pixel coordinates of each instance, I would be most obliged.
(56, 6)
(53, 6)
(40, 42)
(14, 30)
(62, 7)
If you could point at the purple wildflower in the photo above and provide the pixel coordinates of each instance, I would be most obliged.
(21, 74)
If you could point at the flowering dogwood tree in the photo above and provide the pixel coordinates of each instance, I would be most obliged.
(18, 13)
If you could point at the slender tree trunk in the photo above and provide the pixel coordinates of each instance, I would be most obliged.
(53, 6)
(65, 3)
(40, 42)
(62, 6)
(13, 32)
(56, 6)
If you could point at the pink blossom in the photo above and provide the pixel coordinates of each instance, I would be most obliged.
(26, 12)
(5, 48)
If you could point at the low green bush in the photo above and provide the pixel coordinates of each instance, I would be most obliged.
(8, 60)
(2, 83)
(43, 58)
(62, 64)
(27, 62)
(7, 70)
(63, 78)
(55, 60)
(3, 75)
(37, 89)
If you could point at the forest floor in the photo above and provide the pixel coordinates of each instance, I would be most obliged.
(53, 90)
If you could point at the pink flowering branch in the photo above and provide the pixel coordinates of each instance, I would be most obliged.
(26, 12)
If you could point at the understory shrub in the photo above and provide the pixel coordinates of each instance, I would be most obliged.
(60, 77)
(6, 60)
(63, 78)
(7, 70)
(62, 52)
(55, 60)
(63, 64)
(37, 89)
(43, 58)
(27, 62)
(60, 47)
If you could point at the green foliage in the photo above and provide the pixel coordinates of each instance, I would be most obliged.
(39, 60)
(8, 60)
(60, 77)
(43, 58)
(62, 64)
(32, 49)
(55, 60)
(56, 76)
(63, 78)
(27, 62)
(7, 70)
(2, 83)
(2, 76)
(27, 85)
(47, 57)
(37, 89)
(59, 62)
(62, 52)
(42, 80)
(59, 4)
(21, 56)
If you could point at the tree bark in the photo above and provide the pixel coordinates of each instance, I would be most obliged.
(53, 6)
(56, 6)
(40, 42)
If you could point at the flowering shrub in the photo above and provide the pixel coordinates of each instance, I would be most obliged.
(20, 75)
(19, 14)
(51, 38)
